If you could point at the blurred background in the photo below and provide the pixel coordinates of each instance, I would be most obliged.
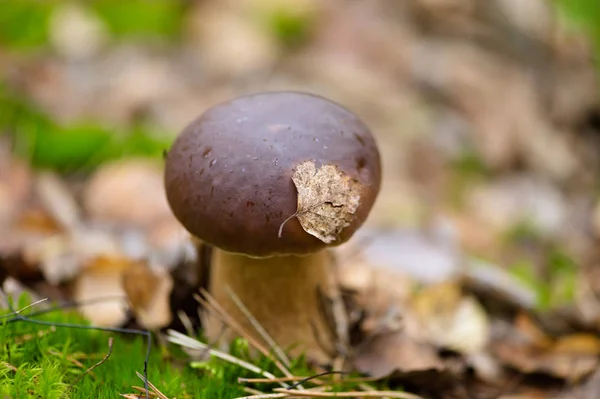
(486, 112)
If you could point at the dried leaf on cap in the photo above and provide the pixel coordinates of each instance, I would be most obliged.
(327, 200)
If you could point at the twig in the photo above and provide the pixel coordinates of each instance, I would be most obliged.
(105, 358)
(210, 303)
(151, 385)
(185, 320)
(314, 379)
(306, 379)
(280, 379)
(340, 316)
(16, 312)
(69, 305)
(265, 396)
(354, 394)
(252, 391)
(141, 389)
(258, 327)
(188, 342)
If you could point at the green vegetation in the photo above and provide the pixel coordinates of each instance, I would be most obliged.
(557, 286)
(45, 362)
(582, 14)
(140, 18)
(79, 146)
(25, 24)
(54, 362)
(289, 28)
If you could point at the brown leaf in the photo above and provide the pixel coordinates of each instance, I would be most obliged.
(58, 200)
(392, 352)
(452, 320)
(327, 200)
(148, 292)
(101, 278)
(127, 191)
(571, 357)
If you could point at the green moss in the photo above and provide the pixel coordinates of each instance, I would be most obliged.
(45, 365)
(40, 361)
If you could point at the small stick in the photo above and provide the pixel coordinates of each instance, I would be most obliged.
(141, 389)
(258, 327)
(88, 371)
(313, 377)
(252, 391)
(265, 396)
(16, 312)
(151, 385)
(340, 317)
(280, 379)
(183, 340)
(187, 323)
(354, 394)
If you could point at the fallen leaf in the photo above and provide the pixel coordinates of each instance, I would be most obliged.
(530, 350)
(327, 200)
(127, 192)
(393, 352)
(57, 199)
(588, 390)
(451, 320)
(101, 278)
(572, 367)
(148, 292)
(37, 220)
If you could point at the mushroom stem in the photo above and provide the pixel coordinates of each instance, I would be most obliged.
(282, 293)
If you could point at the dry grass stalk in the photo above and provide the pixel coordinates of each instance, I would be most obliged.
(155, 390)
(210, 304)
(354, 394)
(185, 341)
(259, 328)
(281, 379)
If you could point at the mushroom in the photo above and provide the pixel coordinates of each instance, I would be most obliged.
(270, 181)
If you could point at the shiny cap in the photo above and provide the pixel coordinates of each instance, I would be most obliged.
(228, 175)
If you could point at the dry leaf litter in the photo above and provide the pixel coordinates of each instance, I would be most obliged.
(482, 111)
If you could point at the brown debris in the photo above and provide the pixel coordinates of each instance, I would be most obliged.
(486, 113)
(127, 192)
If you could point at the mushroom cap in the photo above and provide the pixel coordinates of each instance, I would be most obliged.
(228, 175)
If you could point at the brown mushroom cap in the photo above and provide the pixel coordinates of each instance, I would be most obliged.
(228, 174)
